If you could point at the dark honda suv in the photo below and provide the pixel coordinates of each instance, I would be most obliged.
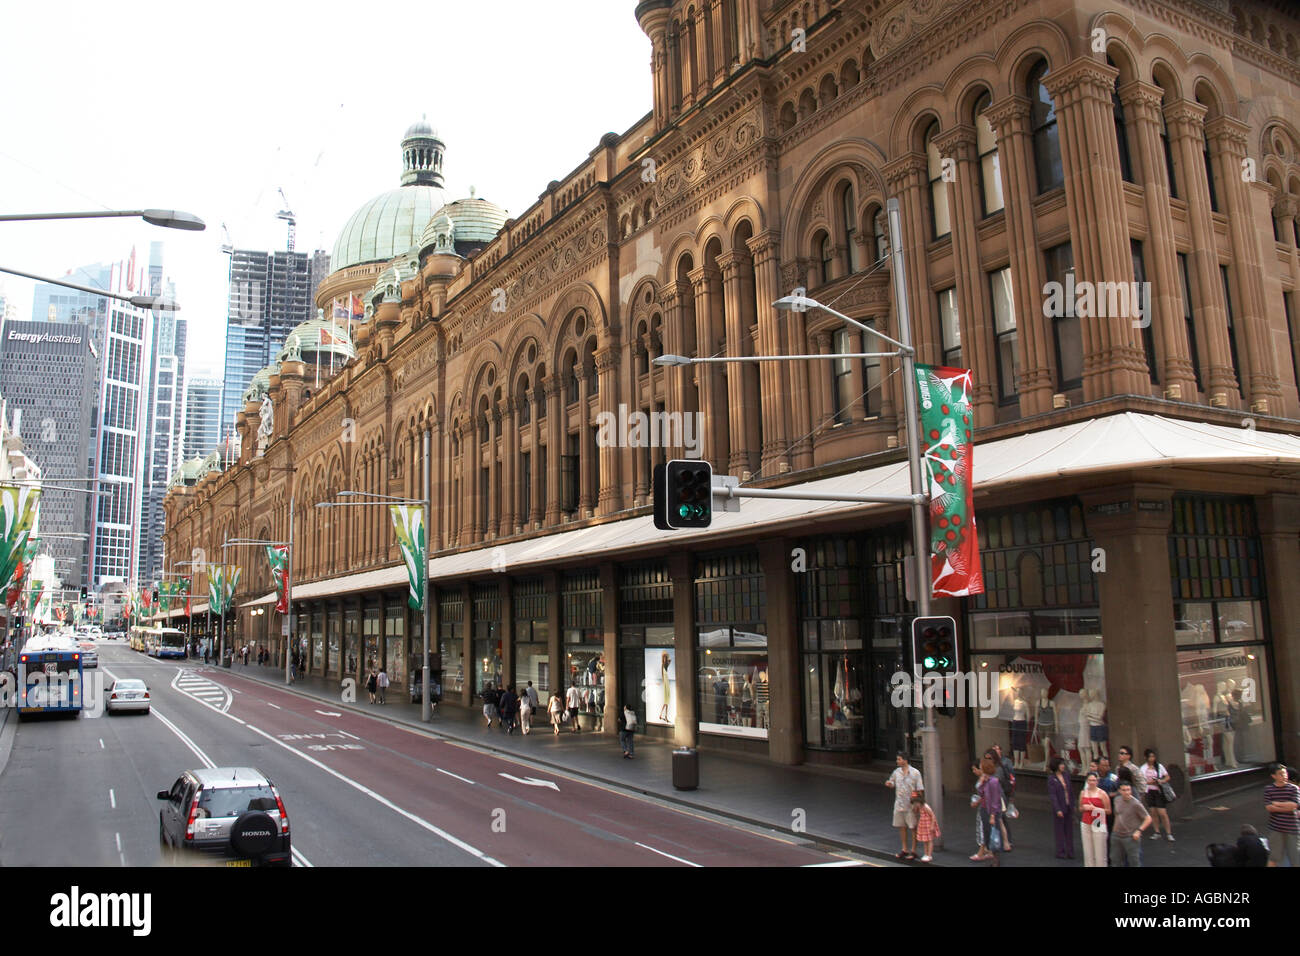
(226, 815)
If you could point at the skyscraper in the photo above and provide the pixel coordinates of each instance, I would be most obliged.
(202, 417)
(270, 293)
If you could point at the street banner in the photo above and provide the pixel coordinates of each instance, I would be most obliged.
(408, 524)
(947, 424)
(21, 571)
(18, 507)
(185, 589)
(279, 558)
(216, 589)
(165, 596)
(34, 594)
(231, 579)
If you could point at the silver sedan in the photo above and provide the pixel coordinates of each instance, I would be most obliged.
(128, 695)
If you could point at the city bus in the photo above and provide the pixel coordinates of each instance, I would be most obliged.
(163, 641)
(49, 677)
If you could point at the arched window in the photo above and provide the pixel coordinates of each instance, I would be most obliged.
(939, 217)
(521, 399)
(1121, 131)
(986, 143)
(1170, 179)
(571, 379)
(842, 377)
(825, 254)
(880, 234)
(849, 216)
(1046, 138)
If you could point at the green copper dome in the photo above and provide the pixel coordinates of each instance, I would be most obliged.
(318, 335)
(261, 383)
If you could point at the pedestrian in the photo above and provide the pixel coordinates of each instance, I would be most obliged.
(293, 669)
(988, 804)
(555, 706)
(381, 682)
(245, 655)
(508, 703)
(526, 711)
(1131, 819)
(1126, 763)
(206, 653)
(574, 700)
(372, 684)
(1007, 778)
(1250, 848)
(626, 727)
(1282, 801)
(1062, 800)
(927, 826)
(531, 692)
(1094, 808)
(905, 781)
(489, 698)
(1157, 778)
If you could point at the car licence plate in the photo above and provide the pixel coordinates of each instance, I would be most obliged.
(248, 863)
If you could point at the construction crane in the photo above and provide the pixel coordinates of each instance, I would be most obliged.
(287, 215)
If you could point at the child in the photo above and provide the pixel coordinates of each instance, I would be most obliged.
(927, 827)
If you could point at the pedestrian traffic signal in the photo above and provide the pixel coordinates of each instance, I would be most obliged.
(683, 495)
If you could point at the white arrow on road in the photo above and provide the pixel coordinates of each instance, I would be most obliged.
(328, 713)
(531, 781)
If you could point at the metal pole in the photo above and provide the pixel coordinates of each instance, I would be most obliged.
(426, 707)
(288, 595)
(930, 752)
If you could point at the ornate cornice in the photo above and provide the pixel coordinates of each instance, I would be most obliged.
(1232, 134)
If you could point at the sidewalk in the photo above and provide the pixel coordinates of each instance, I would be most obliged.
(849, 809)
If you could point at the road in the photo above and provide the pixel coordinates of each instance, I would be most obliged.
(359, 790)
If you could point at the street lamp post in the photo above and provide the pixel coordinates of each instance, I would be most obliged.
(139, 301)
(167, 218)
(426, 706)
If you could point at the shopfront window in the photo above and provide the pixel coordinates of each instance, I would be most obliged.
(318, 641)
(1037, 684)
(395, 641)
(334, 641)
(487, 636)
(451, 641)
(584, 641)
(532, 650)
(351, 639)
(1223, 676)
(834, 666)
(890, 626)
(731, 660)
(646, 653)
(370, 635)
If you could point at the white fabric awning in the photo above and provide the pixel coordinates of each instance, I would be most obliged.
(1123, 442)
(264, 599)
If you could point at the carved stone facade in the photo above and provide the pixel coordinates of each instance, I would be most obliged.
(779, 131)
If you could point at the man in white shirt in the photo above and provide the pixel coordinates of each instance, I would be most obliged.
(532, 697)
(904, 781)
(381, 682)
(573, 698)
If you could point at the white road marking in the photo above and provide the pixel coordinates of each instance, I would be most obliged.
(112, 799)
(101, 743)
(531, 781)
(299, 859)
(194, 748)
(837, 863)
(236, 690)
(456, 775)
(206, 692)
(328, 713)
(118, 838)
(669, 855)
(276, 706)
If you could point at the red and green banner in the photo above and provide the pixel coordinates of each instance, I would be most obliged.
(18, 509)
(278, 555)
(947, 424)
(21, 571)
(185, 590)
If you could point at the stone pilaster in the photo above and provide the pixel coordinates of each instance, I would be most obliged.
(772, 375)
(707, 284)
(740, 457)
(505, 524)
(555, 432)
(785, 727)
(1009, 118)
(1279, 517)
(609, 463)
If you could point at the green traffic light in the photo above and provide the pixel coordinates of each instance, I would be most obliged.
(929, 663)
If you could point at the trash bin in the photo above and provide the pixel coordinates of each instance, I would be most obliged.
(686, 768)
(228, 659)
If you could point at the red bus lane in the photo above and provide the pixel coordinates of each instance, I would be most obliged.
(502, 809)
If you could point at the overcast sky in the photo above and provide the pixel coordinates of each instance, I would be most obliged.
(212, 108)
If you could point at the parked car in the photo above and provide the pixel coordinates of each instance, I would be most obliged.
(128, 695)
(229, 815)
(89, 656)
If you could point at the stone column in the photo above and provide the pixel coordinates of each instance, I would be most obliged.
(721, 54)
(785, 722)
(795, 342)
(554, 636)
(468, 696)
(555, 432)
(975, 319)
(1114, 361)
(533, 511)
(609, 476)
(678, 398)
(686, 728)
(1279, 517)
(609, 623)
(824, 401)
(772, 375)
(1227, 138)
(686, 56)
(740, 457)
(1141, 105)
(1186, 120)
(703, 77)
(1009, 118)
(469, 458)
(1284, 215)
(505, 524)
(437, 451)
(1131, 525)
(586, 491)
(704, 282)
(659, 67)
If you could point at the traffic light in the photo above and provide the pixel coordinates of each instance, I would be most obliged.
(83, 593)
(683, 495)
(934, 651)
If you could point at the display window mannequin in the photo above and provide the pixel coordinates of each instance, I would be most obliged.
(1225, 710)
(1095, 710)
(1019, 728)
(1045, 724)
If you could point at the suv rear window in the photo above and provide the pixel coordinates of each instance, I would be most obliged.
(232, 801)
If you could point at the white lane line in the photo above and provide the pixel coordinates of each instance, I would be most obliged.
(837, 863)
(112, 799)
(194, 748)
(101, 743)
(346, 734)
(208, 697)
(299, 859)
(118, 837)
(276, 706)
(669, 855)
(456, 775)
(379, 798)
